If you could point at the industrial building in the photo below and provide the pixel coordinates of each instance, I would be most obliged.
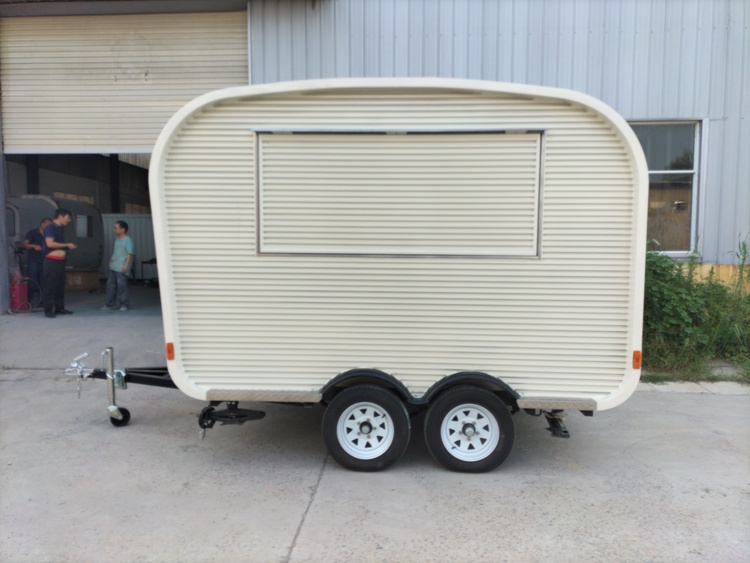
(88, 85)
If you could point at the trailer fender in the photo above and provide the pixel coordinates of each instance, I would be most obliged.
(366, 377)
(478, 379)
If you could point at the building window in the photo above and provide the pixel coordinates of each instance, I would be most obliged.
(672, 155)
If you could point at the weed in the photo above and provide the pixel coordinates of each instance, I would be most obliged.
(689, 322)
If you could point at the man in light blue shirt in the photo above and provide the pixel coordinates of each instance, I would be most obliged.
(119, 265)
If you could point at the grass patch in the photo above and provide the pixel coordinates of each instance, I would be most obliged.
(690, 322)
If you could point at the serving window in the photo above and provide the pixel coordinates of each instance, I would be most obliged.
(456, 194)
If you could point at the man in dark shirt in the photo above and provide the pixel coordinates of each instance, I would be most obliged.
(34, 245)
(53, 269)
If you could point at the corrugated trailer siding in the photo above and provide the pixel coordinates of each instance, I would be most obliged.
(555, 326)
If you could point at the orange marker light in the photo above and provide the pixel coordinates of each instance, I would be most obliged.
(170, 351)
(637, 359)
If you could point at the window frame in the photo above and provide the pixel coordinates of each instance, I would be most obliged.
(535, 249)
(697, 183)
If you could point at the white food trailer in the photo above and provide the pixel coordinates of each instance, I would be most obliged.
(385, 247)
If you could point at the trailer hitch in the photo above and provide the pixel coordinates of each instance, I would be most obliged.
(118, 379)
(231, 415)
(118, 416)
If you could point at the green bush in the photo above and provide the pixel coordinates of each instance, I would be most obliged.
(688, 322)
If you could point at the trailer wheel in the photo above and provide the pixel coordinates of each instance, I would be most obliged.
(121, 422)
(469, 429)
(366, 428)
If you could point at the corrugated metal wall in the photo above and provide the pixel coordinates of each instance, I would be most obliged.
(649, 59)
(82, 84)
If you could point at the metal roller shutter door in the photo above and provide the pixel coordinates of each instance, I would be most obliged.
(91, 84)
(443, 194)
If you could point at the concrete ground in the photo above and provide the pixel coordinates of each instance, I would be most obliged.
(664, 477)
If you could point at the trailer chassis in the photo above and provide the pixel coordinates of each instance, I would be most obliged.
(159, 377)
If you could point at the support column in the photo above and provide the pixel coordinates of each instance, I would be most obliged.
(4, 270)
(114, 183)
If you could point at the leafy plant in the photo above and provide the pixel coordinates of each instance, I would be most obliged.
(689, 322)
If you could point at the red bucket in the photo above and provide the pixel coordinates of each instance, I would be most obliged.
(19, 296)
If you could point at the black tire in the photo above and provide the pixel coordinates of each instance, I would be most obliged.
(469, 429)
(121, 422)
(366, 428)
(37, 302)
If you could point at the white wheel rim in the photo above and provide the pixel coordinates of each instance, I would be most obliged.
(365, 430)
(470, 432)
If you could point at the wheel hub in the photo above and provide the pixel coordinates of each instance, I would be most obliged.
(365, 428)
(468, 430)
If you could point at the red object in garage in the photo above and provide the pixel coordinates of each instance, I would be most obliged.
(19, 295)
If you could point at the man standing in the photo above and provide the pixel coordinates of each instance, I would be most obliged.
(34, 245)
(119, 264)
(53, 268)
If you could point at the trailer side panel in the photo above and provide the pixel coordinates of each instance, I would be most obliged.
(508, 239)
